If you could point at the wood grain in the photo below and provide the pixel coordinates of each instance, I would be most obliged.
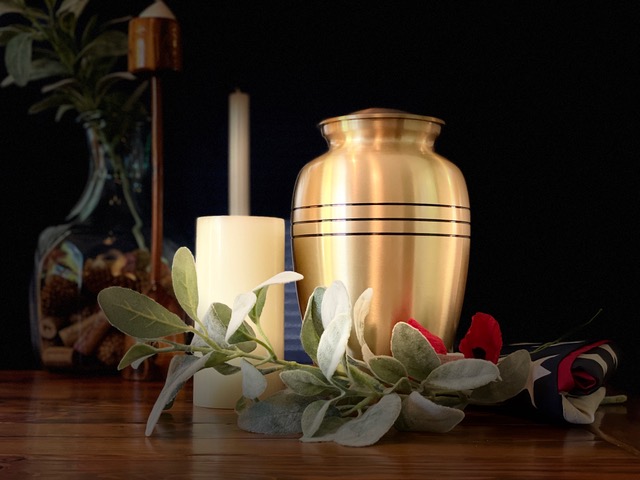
(58, 426)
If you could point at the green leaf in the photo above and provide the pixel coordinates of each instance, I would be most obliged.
(261, 297)
(242, 305)
(51, 101)
(226, 368)
(216, 320)
(360, 378)
(185, 282)
(360, 312)
(402, 386)
(333, 344)
(136, 355)
(368, 428)
(514, 373)
(137, 315)
(415, 352)
(279, 414)
(419, 414)
(306, 383)
(464, 374)
(313, 416)
(311, 328)
(17, 57)
(181, 369)
(335, 302)
(253, 382)
(10, 6)
(111, 43)
(261, 291)
(75, 7)
(387, 369)
(216, 358)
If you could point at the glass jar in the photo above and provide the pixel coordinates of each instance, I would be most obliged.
(104, 242)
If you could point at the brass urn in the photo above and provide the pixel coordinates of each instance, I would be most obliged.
(382, 209)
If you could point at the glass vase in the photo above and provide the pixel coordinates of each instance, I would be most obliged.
(104, 242)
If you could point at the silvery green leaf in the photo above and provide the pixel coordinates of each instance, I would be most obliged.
(387, 368)
(419, 414)
(17, 57)
(226, 368)
(253, 382)
(185, 282)
(181, 369)
(514, 372)
(261, 291)
(335, 302)
(360, 312)
(242, 304)
(138, 315)
(464, 374)
(279, 414)
(402, 386)
(450, 400)
(360, 378)
(313, 417)
(256, 311)
(369, 427)
(333, 344)
(280, 278)
(367, 354)
(415, 352)
(216, 358)
(216, 320)
(312, 328)
(306, 383)
(136, 355)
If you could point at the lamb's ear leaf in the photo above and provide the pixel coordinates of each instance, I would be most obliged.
(137, 315)
(181, 369)
(185, 281)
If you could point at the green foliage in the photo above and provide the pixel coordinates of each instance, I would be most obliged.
(50, 41)
(339, 398)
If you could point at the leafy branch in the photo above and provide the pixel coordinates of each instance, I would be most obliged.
(78, 59)
(339, 398)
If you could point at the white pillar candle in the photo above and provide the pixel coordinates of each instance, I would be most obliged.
(235, 254)
(239, 168)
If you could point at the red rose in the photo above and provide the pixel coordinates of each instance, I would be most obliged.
(483, 339)
(435, 341)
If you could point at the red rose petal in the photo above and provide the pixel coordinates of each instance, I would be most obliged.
(483, 339)
(435, 341)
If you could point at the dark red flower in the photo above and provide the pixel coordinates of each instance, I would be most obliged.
(435, 341)
(483, 339)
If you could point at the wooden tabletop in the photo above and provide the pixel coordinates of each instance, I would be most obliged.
(64, 427)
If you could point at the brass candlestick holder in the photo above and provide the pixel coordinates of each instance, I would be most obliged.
(155, 49)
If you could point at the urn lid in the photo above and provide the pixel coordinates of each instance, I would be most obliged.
(380, 113)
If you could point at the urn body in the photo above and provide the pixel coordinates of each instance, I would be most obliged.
(382, 209)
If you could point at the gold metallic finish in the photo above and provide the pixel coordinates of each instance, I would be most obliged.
(154, 45)
(381, 209)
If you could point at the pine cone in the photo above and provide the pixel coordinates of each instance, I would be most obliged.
(58, 296)
(111, 349)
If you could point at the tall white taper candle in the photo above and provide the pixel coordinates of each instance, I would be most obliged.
(235, 254)
(239, 165)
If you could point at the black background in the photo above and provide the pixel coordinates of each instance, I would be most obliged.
(540, 101)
